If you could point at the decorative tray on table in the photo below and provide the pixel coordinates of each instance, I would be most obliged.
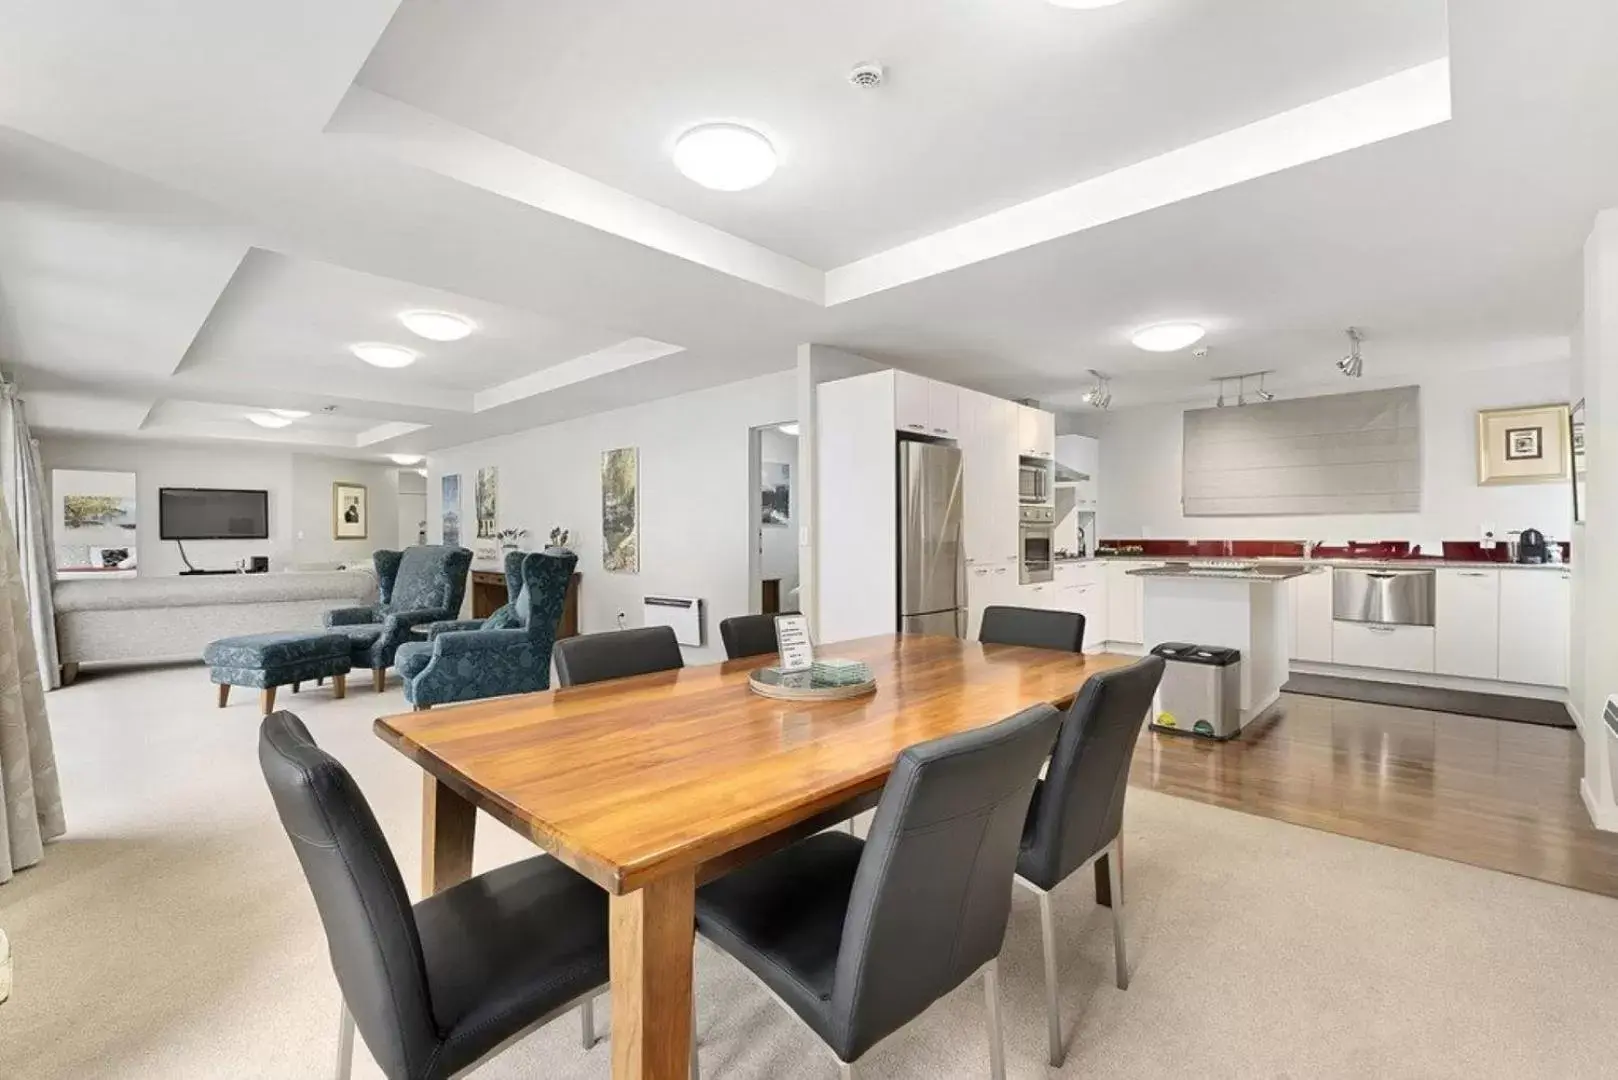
(828, 680)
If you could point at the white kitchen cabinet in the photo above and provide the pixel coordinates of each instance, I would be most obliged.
(988, 441)
(1042, 595)
(1036, 432)
(910, 402)
(1468, 623)
(987, 585)
(1124, 600)
(925, 406)
(1082, 587)
(1375, 645)
(1311, 617)
(1534, 614)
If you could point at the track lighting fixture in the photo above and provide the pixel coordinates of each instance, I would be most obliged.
(1241, 388)
(1099, 396)
(1263, 394)
(1352, 365)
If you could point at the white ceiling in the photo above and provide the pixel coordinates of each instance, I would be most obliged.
(988, 102)
(198, 216)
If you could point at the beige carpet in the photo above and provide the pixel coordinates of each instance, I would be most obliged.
(170, 935)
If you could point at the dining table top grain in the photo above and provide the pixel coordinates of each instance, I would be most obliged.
(632, 779)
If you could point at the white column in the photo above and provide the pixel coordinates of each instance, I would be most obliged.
(1595, 543)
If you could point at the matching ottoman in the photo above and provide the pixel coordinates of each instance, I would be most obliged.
(271, 660)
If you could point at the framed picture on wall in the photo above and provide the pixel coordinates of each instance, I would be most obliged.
(1524, 446)
(451, 488)
(620, 510)
(350, 512)
(1576, 437)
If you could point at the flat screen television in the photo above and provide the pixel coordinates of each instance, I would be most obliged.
(212, 514)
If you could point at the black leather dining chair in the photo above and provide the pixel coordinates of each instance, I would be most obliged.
(1077, 815)
(858, 939)
(616, 654)
(1034, 627)
(438, 987)
(749, 635)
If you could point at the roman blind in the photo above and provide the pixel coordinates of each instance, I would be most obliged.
(1339, 454)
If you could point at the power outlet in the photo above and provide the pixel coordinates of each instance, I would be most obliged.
(1486, 537)
(623, 617)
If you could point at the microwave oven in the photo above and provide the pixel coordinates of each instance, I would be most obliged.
(1033, 482)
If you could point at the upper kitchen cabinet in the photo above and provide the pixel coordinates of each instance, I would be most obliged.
(1036, 432)
(1534, 617)
(924, 406)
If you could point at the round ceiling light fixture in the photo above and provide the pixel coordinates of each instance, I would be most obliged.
(268, 420)
(437, 325)
(405, 459)
(1085, 5)
(378, 354)
(290, 414)
(1167, 337)
(724, 157)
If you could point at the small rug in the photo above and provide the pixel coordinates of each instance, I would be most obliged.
(1434, 699)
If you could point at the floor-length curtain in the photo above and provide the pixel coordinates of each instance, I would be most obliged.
(30, 794)
(23, 479)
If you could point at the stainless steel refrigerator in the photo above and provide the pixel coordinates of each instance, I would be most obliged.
(932, 565)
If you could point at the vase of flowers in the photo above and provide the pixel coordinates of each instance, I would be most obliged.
(510, 539)
(558, 544)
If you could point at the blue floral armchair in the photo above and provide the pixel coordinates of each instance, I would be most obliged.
(502, 617)
(421, 584)
(464, 665)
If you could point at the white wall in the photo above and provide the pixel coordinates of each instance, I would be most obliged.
(778, 557)
(299, 487)
(1139, 490)
(695, 493)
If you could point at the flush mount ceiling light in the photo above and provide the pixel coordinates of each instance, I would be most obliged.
(290, 414)
(268, 420)
(1351, 365)
(405, 459)
(379, 355)
(1167, 337)
(724, 157)
(437, 325)
(1085, 5)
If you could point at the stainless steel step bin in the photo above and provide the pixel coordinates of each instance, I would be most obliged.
(1201, 692)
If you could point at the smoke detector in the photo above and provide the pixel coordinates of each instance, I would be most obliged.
(867, 76)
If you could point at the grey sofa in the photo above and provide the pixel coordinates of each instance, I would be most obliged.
(145, 619)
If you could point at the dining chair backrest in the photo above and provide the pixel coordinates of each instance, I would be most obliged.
(932, 892)
(748, 635)
(370, 930)
(1033, 627)
(616, 654)
(1081, 807)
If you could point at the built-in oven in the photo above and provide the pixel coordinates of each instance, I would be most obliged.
(1036, 544)
(1033, 482)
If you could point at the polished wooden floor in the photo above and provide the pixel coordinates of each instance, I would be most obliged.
(1486, 792)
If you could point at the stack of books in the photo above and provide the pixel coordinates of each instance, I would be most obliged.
(840, 673)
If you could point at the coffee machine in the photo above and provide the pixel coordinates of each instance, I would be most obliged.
(1532, 548)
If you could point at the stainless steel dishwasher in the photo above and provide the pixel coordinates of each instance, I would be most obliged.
(1390, 597)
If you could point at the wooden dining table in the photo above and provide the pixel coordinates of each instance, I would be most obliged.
(651, 785)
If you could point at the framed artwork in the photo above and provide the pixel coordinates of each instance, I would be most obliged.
(350, 511)
(95, 520)
(488, 501)
(775, 494)
(450, 485)
(1576, 440)
(1524, 446)
(620, 510)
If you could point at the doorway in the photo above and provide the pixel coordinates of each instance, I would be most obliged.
(412, 506)
(772, 524)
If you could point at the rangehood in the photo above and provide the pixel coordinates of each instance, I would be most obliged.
(1067, 474)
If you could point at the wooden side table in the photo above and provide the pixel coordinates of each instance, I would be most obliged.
(489, 593)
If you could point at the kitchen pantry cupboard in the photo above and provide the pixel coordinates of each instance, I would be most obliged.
(1467, 622)
(988, 442)
(1534, 622)
(925, 406)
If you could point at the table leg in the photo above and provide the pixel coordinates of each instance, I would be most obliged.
(651, 941)
(447, 824)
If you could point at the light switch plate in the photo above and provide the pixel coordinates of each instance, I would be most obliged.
(1486, 537)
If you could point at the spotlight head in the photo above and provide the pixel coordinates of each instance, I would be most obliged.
(1265, 395)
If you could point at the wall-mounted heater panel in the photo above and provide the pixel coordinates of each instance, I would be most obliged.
(683, 613)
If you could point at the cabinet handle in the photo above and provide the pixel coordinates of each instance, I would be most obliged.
(1382, 629)
(917, 427)
(1473, 573)
(999, 569)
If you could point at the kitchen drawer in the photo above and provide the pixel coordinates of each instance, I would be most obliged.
(1080, 573)
(1375, 645)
